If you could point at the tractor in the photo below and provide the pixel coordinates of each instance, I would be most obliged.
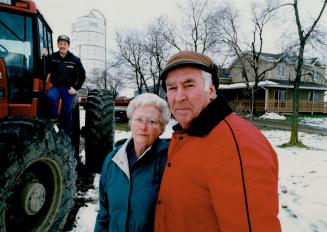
(37, 159)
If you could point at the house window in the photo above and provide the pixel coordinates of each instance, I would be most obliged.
(281, 95)
(280, 98)
(315, 74)
(314, 96)
(281, 70)
(243, 75)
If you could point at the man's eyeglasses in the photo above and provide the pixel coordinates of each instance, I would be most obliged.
(148, 122)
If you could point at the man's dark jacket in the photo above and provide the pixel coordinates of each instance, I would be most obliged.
(66, 71)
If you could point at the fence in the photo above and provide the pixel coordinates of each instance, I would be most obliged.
(279, 106)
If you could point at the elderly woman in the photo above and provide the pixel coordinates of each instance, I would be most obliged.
(131, 174)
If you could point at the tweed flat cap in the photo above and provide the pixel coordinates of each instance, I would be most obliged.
(190, 58)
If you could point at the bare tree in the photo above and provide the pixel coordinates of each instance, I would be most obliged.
(249, 53)
(196, 31)
(114, 77)
(96, 80)
(132, 53)
(144, 53)
(111, 78)
(197, 26)
(116, 81)
(170, 33)
(157, 49)
(304, 37)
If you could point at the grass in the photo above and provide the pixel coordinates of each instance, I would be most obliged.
(300, 145)
(122, 126)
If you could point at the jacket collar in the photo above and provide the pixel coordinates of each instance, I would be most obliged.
(121, 159)
(68, 55)
(210, 116)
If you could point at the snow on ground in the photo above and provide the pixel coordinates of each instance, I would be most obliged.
(85, 218)
(307, 121)
(318, 122)
(272, 116)
(302, 183)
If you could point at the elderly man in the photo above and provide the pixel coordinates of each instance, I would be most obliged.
(221, 172)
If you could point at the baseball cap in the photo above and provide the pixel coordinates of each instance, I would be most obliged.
(63, 37)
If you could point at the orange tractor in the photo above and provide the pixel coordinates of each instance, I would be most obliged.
(37, 160)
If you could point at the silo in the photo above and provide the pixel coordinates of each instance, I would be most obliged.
(89, 43)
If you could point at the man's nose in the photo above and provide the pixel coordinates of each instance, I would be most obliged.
(180, 94)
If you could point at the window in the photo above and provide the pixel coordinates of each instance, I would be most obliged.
(281, 70)
(280, 98)
(50, 42)
(282, 95)
(45, 38)
(316, 74)
(42, 36)
(16, 40)
(16, 47)
(243, 74)
(314, 96)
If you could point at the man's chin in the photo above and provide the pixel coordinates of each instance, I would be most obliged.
(183, 121)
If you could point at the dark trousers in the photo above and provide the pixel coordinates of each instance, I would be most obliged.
(68, 100)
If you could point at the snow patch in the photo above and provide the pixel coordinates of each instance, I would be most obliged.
(274, 116)
(317, 122)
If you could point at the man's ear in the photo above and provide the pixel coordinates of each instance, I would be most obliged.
(212, 92)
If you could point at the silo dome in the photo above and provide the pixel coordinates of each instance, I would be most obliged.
(88, 43)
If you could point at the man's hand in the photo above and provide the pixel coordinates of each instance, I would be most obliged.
(72, 91)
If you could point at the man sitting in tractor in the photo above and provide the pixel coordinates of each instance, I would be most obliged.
(67, 76)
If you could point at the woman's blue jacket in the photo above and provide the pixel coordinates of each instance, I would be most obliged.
(128, 195)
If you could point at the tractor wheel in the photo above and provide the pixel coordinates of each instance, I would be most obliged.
(37, 175)
(99, 128)
(76, 129)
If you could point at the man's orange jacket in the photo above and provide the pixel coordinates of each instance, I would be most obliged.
(221, 175)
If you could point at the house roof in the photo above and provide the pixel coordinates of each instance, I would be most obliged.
(291, 59)
(303, 85)
(288, 58)
(275, 84)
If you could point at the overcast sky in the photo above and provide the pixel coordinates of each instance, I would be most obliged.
(120, 14)
(129, 14)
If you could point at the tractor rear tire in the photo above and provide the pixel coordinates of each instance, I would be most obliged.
(99, 128)
(76, 128)
(37, 175)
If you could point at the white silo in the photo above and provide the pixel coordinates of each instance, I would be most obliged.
(89, 43)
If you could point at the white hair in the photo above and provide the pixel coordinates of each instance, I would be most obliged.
(150, 99)
(207, 80)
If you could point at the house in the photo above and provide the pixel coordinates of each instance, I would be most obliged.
(275, 90)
